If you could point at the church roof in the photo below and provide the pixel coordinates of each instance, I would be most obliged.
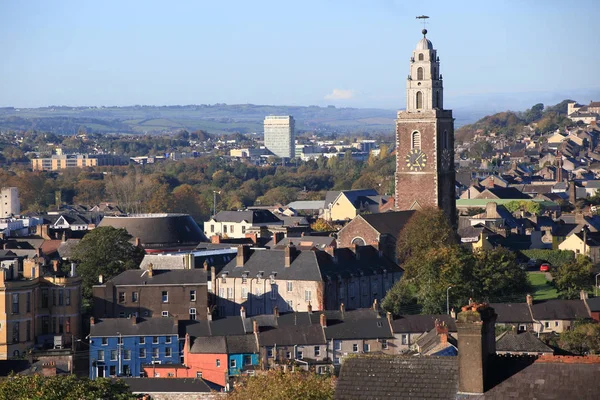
(424, 44)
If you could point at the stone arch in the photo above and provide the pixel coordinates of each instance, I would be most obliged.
(359, 241)
(420, 73)
(421, 57)
(415, 140)
(419, 99)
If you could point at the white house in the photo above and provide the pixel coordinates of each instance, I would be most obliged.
(234, 224)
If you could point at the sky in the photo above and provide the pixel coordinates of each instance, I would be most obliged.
(340, 52)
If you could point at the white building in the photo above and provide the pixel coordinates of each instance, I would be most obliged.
(234, 224)
(9, 202)
(280, 135)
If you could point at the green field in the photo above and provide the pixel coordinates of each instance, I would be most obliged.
(541, 288)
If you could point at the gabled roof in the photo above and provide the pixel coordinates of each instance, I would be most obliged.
(291, 335)
(512, 313)
(421, 323)
(160, 277)
(357, 324)
(390, 223)
(559, 310)
(209, 345)
(126, 327)
(354, 196)
(521, 342)
(237, 344)
(166, 385)
(307, 205)
(250, 216)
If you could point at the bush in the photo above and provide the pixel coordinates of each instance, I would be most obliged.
(556, 258)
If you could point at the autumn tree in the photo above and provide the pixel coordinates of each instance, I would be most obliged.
(186, 200)
(161, 201)
(89, 191)
(572, 277)
(280, 385)
(105, 251)
(321, 225)
(583, 339)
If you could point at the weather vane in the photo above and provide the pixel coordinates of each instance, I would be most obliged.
(423, 19)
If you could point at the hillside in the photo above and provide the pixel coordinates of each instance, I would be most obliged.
(508, 123)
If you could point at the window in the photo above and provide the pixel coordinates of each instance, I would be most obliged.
(61, 297)
(273, 292)
(168, 352)
(155, 352)
(68, 325)
(232, 363)
(419, 100)
(212, 228)
(68, 297)
(230, 293)
(222, 293)
(199, 375)
(192, 295)
(61, 325)
(165, 296)
(269, 352)
(134, 297)
(168, 340)
(243, 229)
(28, 302)
(366, 347)
(122, 314)
(154, 339)
(170, 375)
(54, 301)
(317, 351)
(15, 303)
(100, 355)
(165, 313)
(404, 339)
(300, 355)
(142, 353)
(290, 304)
(420, 73)
(522, 328)
(112, 370)
(290, 286)
(336, 360)
(546, 325)
(231, 228)
(337, 344)
(27, 331)
(384, 344)
(257, 292)
(307, 295)
(421, 57)
(218, 363)
(113, 355)
(127, 355)
(192, 314)
(355, 347)
(44, 298)
(142, 340)
(288, 355)
(244, 293)
(247, 360)
(416, 140)
(224, 228)
(555, 323)
(104, 341)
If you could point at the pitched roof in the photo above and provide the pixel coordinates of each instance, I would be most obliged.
(560, 310)
(357, 324)
(395, 377)
(421, 323)
(142, 327)
(209, 345)
(390, 223)
(250, 216)
(594, 303)
(160, 277)
(521, 342)
(237, 344)
(512, 313)
(307, 205)
(292, 335)
(166, 385)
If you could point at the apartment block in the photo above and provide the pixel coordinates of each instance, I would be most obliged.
(280, 135)
(63, 161)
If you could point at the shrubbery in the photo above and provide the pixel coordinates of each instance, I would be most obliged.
(556, 258)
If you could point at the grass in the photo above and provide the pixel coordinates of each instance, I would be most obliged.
(541, 287)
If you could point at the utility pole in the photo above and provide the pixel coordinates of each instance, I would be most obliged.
(448, 300)
(215, 192)
(119, 346)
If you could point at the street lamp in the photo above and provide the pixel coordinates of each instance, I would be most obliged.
(596, 288)
(215, 192)
(448, 300)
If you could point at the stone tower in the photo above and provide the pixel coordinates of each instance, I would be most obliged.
(425, 174)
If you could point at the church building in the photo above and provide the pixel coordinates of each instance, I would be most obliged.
(425, 175)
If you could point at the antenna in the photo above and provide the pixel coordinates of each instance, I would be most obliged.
(423, 19)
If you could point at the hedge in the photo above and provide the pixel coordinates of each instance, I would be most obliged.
(556, 258)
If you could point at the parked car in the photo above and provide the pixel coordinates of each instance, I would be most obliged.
(532, 262)
(545, 267)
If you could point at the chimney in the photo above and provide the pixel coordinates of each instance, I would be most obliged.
(583, 295)
(208, 314)
(205, 266)
(278, 237)
(375, 305)
(134, 319)
(100, 279)
(253, 237)
(215, 239)
(442, 330)
(138, 242)
(289, 255)
(323, 320)
(242, 256)
(453, 314)
(49, 369)
(276, 311)
(242, 312)
(255, 326)
(529, 300)
(476, 344)
(91, 321)
(150, 270)
(572, 193)
(388, 315)
(309, 307)
(55, 266)
(342, 308)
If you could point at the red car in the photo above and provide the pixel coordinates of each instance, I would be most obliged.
(545, 267)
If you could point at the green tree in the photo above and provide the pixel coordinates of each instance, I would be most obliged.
(280, 385)
(105, 251)
(186, 200)
(400, 299)
(583, 339)
(571, 278)
(321, 225)
(63, 387)
(497, 276)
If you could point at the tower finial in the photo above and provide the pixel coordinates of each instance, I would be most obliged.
(423, 19)
(424, 32)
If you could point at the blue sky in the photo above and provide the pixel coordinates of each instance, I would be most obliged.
(342, 52)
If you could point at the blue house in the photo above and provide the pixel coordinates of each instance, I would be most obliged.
(242, 353)
(119, 346)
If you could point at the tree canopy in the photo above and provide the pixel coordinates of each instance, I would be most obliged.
(280, 385)
(572, 277)
(583, 339)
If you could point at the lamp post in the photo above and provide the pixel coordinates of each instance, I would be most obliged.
(215, 192)
(448, 300)
(596, 288)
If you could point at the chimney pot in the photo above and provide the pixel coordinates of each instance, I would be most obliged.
(92, 321)
(309, 307)
(323, 320)
(529, 299)
(255, 326)
(342, 308)
(242, 312)
(276, 311)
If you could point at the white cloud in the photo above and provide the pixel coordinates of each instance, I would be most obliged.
(340, 94)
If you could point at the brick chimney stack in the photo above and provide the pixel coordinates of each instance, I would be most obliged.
(529, 300)
(442, 330)
(323, 320)
(91, 321)
(276, 311)
(215, 239)
(134, 319)
(476, 344)
(242, 256)
(150, 270)
(289, 255)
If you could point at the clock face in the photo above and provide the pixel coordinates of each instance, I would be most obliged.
(446, 159)
(416, 160)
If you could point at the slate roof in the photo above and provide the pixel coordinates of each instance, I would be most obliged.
(292, 335)
(431, 342)
(559, 310)
(594, 303)
(390, 223)
(304, 242)
(521, 342)
(143, 327)
(354, 196)
(66, 248)
(512, 313)
(307, 205)
(357, 324)
(237, 344)
(345, 263)
(160, 277)
(209, 345)
(159, 231)
(421, 323)
(166, 385)
(251, 216)
(397, 377)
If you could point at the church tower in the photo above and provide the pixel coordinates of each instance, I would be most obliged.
(425, 174)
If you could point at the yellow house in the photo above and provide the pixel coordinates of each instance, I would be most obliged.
(347, 204)
(38, 305)
(557, 137)
(583, 242)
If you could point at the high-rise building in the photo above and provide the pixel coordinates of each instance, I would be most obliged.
(280, 135)
(425, 174)
(9, 202)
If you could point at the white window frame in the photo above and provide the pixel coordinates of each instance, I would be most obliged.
(165, 314)
(289, 286)
(193, 312)
(192, 295)
(165, 296)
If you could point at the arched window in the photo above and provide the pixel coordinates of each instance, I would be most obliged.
(358, 241)
(437, 99)
(419, 100)
(420, 73)
(445, 140)
(421, 57)
(416, 140)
